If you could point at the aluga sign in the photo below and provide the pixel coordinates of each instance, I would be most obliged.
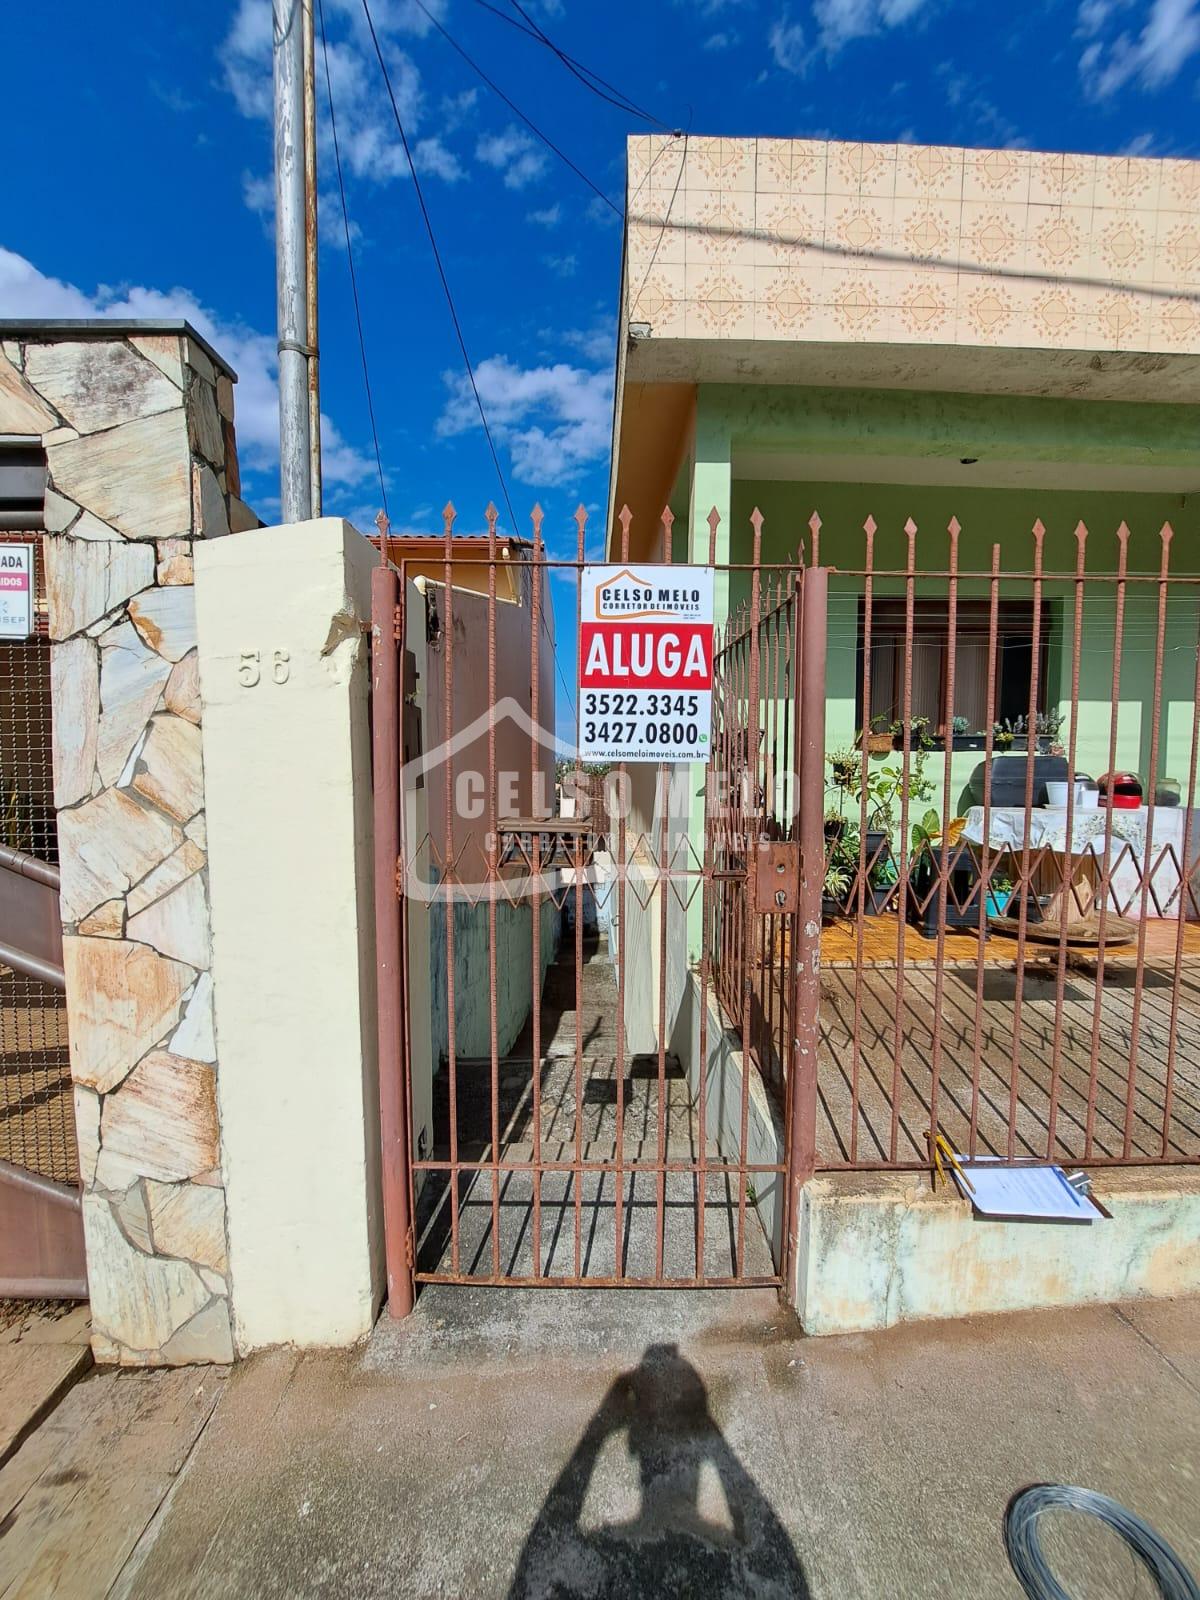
(16, 591)
(645, 664)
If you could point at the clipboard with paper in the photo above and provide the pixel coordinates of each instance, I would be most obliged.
(1032, 1192)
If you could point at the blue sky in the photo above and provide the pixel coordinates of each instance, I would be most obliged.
(140, 183)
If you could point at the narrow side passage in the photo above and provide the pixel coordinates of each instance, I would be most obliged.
(581, 1100)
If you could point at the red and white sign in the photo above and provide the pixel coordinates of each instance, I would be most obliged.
(645, 663)
(16, 591)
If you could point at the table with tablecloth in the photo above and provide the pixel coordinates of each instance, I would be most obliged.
(1129, 854)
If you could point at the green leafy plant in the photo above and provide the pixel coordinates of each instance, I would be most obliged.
(846, 766)
(960, 726)
(919, 736)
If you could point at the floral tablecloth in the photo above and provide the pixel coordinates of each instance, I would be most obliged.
(1048, 829)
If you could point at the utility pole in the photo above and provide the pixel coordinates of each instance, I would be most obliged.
(291, 255)
(310, 255)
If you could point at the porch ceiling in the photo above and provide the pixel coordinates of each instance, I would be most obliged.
(773, 466)
(965, 369)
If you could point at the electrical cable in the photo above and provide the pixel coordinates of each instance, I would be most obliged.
(362, 344)
(1172, 1578)
(437, 256)
(516, 110)
(588, 78)
(666, 219)
(573, 64)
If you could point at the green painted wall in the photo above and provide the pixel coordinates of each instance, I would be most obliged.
(1005, 518)
(808, 423)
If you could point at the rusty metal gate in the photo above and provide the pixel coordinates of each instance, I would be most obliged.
(41, 1232)
(585, 1077)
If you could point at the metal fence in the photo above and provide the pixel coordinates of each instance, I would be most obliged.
(37, 1127)
(1010, 952)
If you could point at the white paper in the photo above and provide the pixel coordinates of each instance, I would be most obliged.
(1036, 1193)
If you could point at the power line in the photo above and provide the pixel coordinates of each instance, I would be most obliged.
(585, 75)
(516, 110)
(437, 256)
(362, 344)
(576, 66)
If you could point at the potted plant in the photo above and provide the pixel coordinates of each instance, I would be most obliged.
(925, 910)
(1000, 891)
(846, 766)
(919, 737)
(1002, 736)
(835, 890)
(877, 737)
(962, 737)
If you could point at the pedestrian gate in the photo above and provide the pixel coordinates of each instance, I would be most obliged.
(597, 992)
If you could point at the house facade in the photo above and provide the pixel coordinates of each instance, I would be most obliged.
(915, 334)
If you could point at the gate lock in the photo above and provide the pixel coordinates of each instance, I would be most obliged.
(778, 879)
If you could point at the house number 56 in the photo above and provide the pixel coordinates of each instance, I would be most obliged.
(250, 667)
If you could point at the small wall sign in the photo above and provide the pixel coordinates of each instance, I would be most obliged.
(645, 663)
(16, 591)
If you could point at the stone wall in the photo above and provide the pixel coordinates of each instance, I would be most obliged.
(141, 454)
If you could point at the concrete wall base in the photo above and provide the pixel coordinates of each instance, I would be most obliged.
(881, 1248)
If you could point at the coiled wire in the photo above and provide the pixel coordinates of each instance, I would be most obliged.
(1174, 1580)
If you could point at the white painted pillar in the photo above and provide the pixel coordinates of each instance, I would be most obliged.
(284, 673)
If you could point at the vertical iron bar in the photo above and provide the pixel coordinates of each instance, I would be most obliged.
(943, 886)
(1139, 971)
(664, 832)
(625, 517)
(1106, 869)
(1014, 1078)
(577, 1172)
(810, 753)
(493, 866)
(386, 733)
(910, 529)
(535, 617)
(1185, 881)
(1072, 748)
(749, 905)
(985, 866)
(869, 527)
(450, 869)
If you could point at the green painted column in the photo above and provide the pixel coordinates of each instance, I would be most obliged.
(712, 484)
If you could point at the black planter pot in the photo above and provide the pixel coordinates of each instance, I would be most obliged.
(962, 877)
(1009, 776)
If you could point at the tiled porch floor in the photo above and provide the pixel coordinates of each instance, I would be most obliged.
(880, 1003)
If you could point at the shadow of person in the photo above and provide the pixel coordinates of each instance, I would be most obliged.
(674, 1546)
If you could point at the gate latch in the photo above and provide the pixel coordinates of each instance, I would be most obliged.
(777, 880)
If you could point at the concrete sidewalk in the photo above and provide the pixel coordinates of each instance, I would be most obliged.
(517, 1444)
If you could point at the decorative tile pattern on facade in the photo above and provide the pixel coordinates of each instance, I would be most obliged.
(813, 240)
(142, 460)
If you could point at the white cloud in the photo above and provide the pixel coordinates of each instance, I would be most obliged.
(596, 344)
(720, 41)
(838, 21)
(554, 420)
(786, 40)
(514, 154)
(1168, 39)
(370, 146)
(26, 292)
(431, 155)
(548, 217)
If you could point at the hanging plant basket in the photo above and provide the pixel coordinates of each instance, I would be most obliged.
(877, 744)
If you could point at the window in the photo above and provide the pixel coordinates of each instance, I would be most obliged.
(931, 661)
